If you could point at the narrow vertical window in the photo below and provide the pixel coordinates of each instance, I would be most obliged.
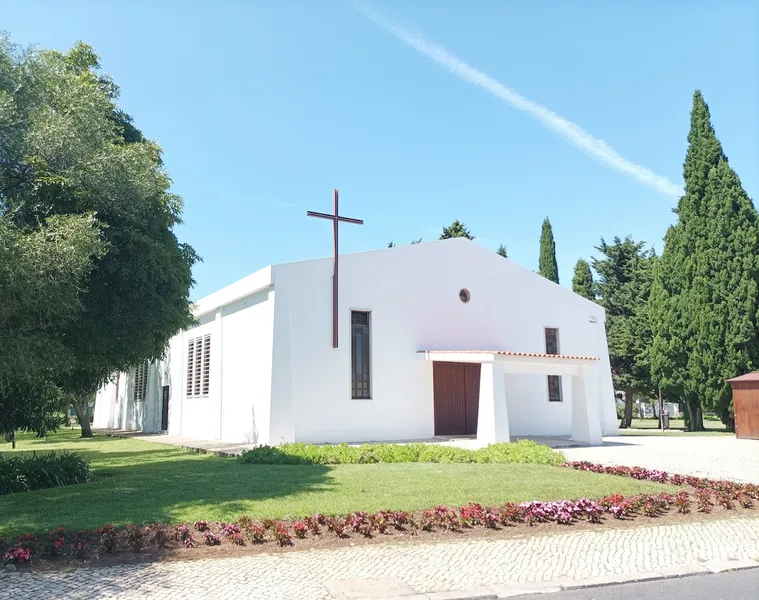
(199, 366)
(554, 381)
(360, 355)
(141, 382)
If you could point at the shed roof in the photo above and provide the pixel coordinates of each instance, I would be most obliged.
(753, 376)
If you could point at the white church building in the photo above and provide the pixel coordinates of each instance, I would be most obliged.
(444, 338)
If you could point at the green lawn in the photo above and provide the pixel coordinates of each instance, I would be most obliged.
(141, 482)
(677, 427)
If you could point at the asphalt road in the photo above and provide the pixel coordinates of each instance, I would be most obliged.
(736, 585)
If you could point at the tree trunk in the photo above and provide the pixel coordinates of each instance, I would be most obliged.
(694, 417)
(10, 436)
(82, 409)
(661, 411)
(628, 416)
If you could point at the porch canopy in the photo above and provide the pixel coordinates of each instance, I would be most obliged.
(493, 418)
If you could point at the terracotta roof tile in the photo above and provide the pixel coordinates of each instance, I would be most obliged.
(516, 353)
(754, 376)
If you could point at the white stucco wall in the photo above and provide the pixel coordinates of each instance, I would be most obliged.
(413, 295)
(247, 330)
(116, 408)
(276, 378)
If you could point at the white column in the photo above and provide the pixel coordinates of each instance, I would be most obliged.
(492, 418)
(586, 425)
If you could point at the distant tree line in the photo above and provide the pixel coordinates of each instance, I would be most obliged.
(687, 320)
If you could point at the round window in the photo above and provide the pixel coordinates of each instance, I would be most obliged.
(464, 295)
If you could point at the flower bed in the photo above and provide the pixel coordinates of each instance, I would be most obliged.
(523, 451)
(38, 471)
(698, 495)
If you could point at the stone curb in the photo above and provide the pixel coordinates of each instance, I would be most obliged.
(548, 587)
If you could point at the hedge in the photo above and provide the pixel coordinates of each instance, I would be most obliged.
(523, 451)
(26, 473)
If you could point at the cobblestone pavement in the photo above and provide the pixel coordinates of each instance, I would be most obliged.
(717, 457)
(425, 568)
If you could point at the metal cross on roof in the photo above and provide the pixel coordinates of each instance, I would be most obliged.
(336, 219)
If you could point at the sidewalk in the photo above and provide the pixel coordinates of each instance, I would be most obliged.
(467, 569)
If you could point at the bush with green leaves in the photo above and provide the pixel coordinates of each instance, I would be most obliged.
(26, 473)
(523, 451)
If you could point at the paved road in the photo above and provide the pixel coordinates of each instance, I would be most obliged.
(718, 457)
(736, 585)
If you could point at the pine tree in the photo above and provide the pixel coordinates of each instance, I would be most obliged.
(582, 282)
(705, 298)
(455, 229)
(547, 266)
(502, 251)
(624, 288)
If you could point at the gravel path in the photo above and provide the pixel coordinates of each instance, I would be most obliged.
(717, 457)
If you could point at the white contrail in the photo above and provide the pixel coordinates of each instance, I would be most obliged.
(572, 132)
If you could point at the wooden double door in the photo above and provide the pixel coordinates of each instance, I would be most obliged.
(457, 397)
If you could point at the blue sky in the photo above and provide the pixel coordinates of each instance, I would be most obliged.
(262, 108)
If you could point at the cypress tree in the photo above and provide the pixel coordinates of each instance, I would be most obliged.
(547, 266)
(582, 282)
(455, 229)
(624, 288)
(705, 297)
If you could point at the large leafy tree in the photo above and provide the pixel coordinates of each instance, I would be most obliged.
(547, 265)
(456, 229)
(42, 274)
(705, 298)
(69, 150)
(624, 288)
(582, 281)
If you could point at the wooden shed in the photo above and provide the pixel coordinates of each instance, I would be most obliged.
(746, 405)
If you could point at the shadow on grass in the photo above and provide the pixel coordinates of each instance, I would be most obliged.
(163, 491)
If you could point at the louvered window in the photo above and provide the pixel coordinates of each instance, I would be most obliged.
(141, 382)
(360, 356)
(206, 376)
(199, 366)
(554, 381)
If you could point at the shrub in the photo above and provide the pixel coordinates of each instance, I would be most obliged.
(237, 539)
(211, 539)
(184, 535)
(39, 471)
(56, 539)
(201, 526)
(230, 529)
(159, 537)
(79, 547)
(18, 554)
(300, 529)
(108, 538)
(523, 451)
(682, 502)
(135, 537)
(257, 534)
(704, 500)
(281, 535)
